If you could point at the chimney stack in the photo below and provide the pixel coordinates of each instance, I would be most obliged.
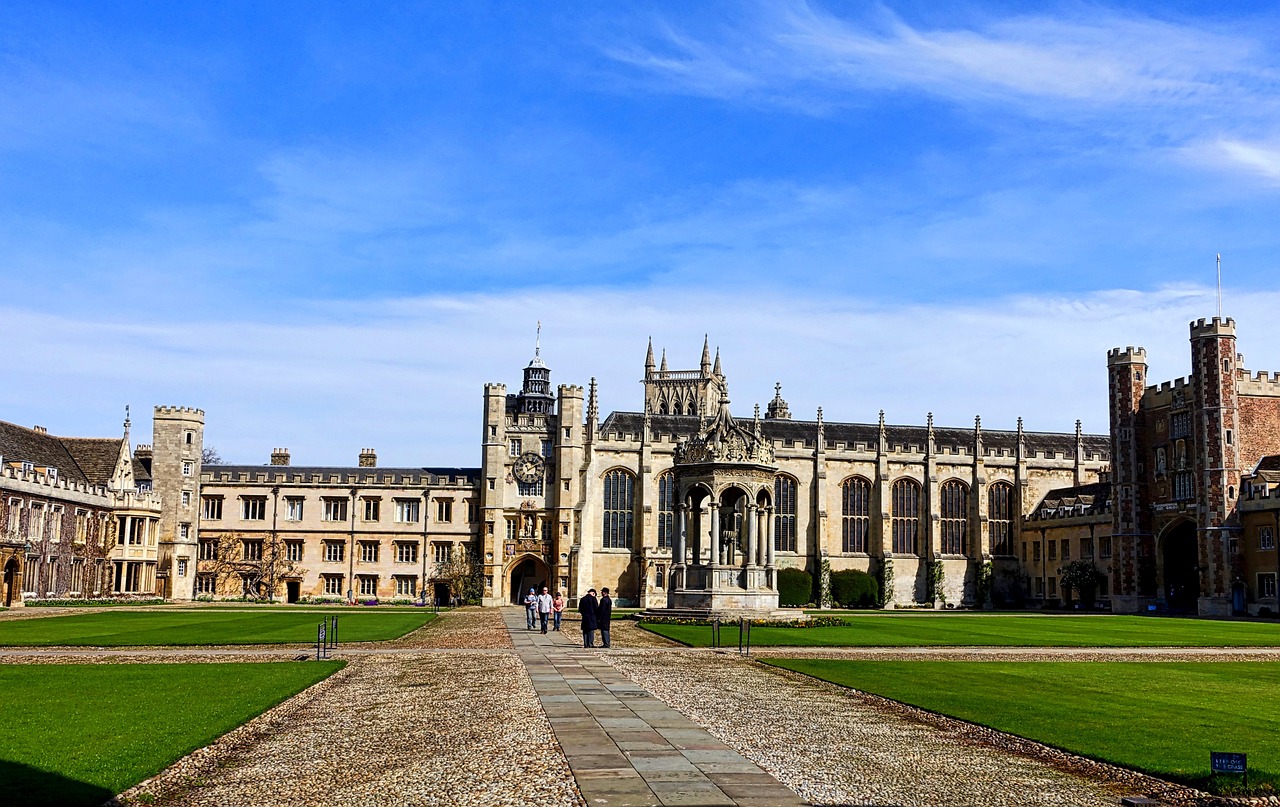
(279, 456)
(368, 458)
(39, 430)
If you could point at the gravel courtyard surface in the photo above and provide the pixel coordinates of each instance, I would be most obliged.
(838, 747)
(428, 729)
(471, 628)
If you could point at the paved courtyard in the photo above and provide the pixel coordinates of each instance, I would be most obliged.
(475, 710)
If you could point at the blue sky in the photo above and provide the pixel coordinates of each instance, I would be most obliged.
(330, 226)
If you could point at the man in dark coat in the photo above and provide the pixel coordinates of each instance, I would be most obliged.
(587, 607)
(604, 613)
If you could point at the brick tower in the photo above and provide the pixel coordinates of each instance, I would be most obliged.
(1131, 528)
(1216, 429)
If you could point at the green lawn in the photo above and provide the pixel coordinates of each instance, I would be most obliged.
(76, 734)
(998, 630)
(1159, 717)
(204, 627)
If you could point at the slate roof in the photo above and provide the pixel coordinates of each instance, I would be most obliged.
(303, 473)
(96, 456)
(20, 444)
(806, 431)
(1269, 463)
(1095, 496)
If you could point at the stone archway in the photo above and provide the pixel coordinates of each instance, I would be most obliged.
(10, 583)
(526, 572)
(1180, 566)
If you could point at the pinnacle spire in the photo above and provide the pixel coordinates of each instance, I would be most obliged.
(537, 341)
(706, 354)
(716, 370)
(663, 368)
(648, 359)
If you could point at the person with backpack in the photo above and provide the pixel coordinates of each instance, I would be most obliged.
(587, 607)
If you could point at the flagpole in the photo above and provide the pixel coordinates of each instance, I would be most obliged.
(1219, 285)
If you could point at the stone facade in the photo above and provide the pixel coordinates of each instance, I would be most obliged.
(852, 494)
(79, 518)
(361, 532)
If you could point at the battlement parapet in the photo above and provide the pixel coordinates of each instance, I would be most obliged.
(1126, 355)
(495, 388)
(179, 412)
(39, 476)
(1262, 384)
(1217, 326)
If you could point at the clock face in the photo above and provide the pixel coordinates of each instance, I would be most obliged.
(527, 468)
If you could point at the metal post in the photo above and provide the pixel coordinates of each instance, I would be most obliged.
(747, 627)
(742, 622)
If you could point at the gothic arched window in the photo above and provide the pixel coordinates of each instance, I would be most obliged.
(690, 411)
(666, 510)
(619, 509)
(784, 514)
(855, 511)
(1000, 518)
(905, 516)
(954, 508)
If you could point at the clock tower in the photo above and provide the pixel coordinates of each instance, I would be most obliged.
(532, 450)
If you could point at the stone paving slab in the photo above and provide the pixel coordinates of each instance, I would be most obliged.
(625, 747)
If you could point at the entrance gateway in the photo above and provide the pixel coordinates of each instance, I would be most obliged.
(723, 557)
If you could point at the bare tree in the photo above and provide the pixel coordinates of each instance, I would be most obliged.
(210, 456)
(463, 574)
(249, 566)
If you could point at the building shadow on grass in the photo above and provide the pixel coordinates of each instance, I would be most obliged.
(32, 787)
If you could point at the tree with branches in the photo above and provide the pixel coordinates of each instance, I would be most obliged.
(248, 566)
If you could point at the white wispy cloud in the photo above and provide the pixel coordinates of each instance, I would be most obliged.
(405, 376)
(1100, 57)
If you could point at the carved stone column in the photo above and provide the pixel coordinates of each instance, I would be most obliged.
(753, 536)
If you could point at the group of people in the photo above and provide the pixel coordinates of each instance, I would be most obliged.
(544, 608)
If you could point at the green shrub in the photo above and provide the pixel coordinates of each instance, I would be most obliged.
(854, 589)
(795, 587)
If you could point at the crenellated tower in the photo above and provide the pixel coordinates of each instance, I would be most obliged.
(1215, 429)
(1131, 529)
(177, 448)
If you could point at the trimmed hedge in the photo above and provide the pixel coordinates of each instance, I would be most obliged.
(852, 588)
(795, 587)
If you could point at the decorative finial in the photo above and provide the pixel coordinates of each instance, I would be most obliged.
(777, 389)
(1078, 425)
(881, 420)
(757, 411)
(537, 342)
(648, 357)
(663, 368)
(977, 423)
(1019, 425)
(126, 416)
(716, 370)
(819, 415)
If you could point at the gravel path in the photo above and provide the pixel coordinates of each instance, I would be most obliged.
(428, 729)
(836, 746)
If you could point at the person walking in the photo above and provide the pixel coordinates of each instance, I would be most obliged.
(587, 607)
(557, 609)
(530, 609)
(604, 612)
(544, 608)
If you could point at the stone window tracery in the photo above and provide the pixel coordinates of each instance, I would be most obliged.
(1000, 518)
(905, 519)
(855, 508)
(666, 510)
(955, 518)
(619, 509)
(784, 518)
